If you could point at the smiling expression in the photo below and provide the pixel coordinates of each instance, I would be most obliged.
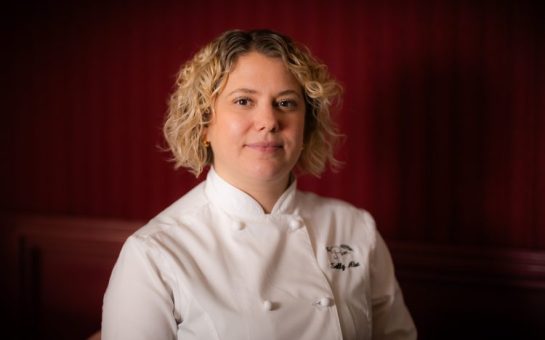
(257, 127)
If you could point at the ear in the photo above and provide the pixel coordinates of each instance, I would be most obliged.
(204, 138)
(207, 120)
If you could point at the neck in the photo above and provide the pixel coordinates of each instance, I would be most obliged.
(267, 196)
(266, 193)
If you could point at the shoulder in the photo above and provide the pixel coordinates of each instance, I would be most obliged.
(179, 214)
(331, 205)
(334, 209)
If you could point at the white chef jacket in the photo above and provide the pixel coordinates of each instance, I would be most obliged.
(215, 266)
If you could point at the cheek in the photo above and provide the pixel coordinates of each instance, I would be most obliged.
(228, 128)
(238, 126)
(234, 128)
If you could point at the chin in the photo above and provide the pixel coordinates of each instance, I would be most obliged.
(270, 173)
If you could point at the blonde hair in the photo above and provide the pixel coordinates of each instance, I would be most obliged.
(202, 78)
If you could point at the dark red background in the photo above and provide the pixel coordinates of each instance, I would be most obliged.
(444, 108)
(444, 113)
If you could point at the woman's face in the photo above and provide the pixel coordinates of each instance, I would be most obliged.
(257, 128)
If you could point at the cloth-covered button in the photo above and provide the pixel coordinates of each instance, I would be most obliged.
(267, 305)
(324, 302)
(295, 224)
(239, 225)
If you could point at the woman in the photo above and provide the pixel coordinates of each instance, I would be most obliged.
(245, 255)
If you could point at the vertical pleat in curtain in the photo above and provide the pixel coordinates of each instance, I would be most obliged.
(443, 109)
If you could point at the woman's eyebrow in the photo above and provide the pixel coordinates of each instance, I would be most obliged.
(290, 91)
(252, 91)
(242, 90)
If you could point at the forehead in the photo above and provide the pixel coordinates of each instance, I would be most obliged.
(257, 68)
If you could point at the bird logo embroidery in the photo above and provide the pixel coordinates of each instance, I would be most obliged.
(340, 257)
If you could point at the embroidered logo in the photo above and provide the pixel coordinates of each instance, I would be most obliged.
(340, 257)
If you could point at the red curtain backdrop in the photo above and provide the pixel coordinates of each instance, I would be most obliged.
(444, 108)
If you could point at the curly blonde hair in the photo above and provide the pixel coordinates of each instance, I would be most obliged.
(201, 80)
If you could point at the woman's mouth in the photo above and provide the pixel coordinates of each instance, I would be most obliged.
(265, 146)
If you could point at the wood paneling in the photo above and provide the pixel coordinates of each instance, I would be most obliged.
(62, 266)
(461, 292)
(61, 269)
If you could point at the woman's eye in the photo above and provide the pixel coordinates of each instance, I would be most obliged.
(243, 101)
(287, 103)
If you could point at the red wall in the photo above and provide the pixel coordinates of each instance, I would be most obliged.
(444, 108)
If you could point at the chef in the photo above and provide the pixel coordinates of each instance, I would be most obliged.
(245, 254)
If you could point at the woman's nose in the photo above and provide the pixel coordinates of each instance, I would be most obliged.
(267, 119)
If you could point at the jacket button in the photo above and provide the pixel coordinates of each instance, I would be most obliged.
(239, 225)
(295, 224)
(324, 302)
(267, 305)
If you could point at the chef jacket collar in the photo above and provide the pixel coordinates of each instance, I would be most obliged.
(238, 203)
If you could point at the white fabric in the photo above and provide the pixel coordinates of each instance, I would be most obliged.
(214, 266)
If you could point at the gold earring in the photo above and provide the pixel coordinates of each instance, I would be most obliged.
(206, 144)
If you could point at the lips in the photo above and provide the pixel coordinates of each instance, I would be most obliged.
(265, 146)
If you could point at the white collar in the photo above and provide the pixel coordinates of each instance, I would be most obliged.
(235, 202)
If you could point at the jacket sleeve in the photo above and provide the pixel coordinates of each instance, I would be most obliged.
(391, 318)
(138, 302)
